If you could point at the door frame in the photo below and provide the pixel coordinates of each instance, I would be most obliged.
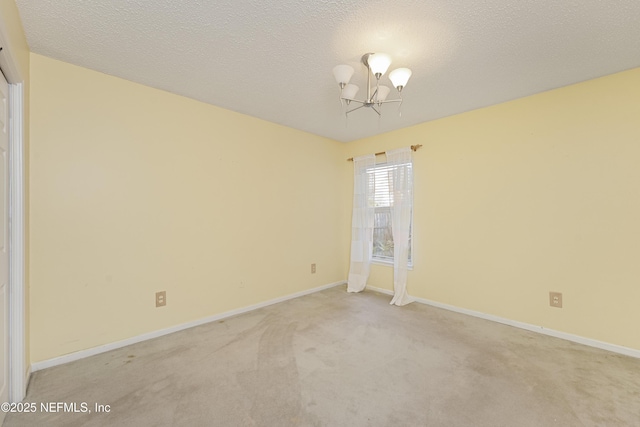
(18, 375)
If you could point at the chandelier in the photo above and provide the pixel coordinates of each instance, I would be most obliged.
(377, 64)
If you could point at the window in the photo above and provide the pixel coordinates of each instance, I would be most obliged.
(381, 187)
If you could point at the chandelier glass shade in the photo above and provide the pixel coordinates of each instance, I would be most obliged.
(377, 65)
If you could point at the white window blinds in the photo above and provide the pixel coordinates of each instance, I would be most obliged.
(381, 186)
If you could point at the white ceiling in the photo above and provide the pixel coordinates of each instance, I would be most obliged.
(273, 59)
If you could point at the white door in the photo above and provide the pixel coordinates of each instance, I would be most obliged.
(4, 241)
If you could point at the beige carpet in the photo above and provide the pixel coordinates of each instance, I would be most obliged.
(338, 359)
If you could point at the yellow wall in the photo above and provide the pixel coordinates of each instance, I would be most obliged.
(535, 195)
(135, 190)
(12, 31)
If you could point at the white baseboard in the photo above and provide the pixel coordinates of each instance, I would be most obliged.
(37, 366)
(533, 328)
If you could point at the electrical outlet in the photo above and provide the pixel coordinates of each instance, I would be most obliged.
(161, 299)
(555, 299)
(313, 268)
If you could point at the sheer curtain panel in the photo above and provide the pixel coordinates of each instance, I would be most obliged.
(401, 211)
(361, 224)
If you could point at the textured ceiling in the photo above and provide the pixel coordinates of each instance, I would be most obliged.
(273, 59)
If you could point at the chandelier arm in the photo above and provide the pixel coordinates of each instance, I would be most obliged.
(354, 109)
(374, 109)
(354, 100)
(386, 101)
